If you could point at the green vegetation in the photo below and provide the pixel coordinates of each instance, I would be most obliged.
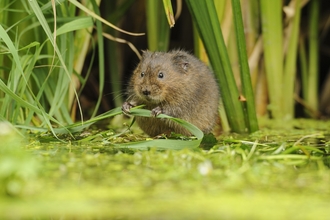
(269, 174)
(45, 49)
(204, 13)
(63, 155)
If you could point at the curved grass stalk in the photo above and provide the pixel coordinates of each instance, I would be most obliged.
(165, 144)
(160, 144)
(94, 15)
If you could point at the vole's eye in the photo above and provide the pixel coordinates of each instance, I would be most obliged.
(142, 74)
(160, 75)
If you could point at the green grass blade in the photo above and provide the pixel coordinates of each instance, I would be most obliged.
(169, 12)
(290, 64)
(165, 144)
(4, 36)
(29, 106)
(4, 6)
(160, 144)
(313, 75)
(272, 34)
(157, 27)
(206, 20)
(101, 58)
(12, 95)
(13, 84)
(77, 24)
(303, 67)
(62, 82)
(247, 89)
(97, 17)
(114, 64)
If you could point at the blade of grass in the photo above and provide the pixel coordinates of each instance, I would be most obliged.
(220, 8)
(114, 63)
(26, 104)
(81, 41)
(116, 10)
(290, 64)
(4, 6)
(10, 91)
(313, 75)
(157, 27)
(101, 58)
(206, 20)
(303, 66)
(252, 22)
(169, 12)
(251, 117)
(271, 18)
(160, 144)
(94, 15)
(77, 23)
(62, 86)
(201, 53)
(163, 144)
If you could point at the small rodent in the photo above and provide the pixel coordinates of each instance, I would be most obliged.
(174, 83)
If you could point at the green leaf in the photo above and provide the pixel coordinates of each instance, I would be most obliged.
(291, 63)
(313, 75)
(160, 144)
(169, 12)
(157, 27)
(272, 35)
(163, 144)
(77, 24)
(206, 20)
(251, 117)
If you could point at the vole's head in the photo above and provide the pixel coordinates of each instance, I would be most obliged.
(159, 76)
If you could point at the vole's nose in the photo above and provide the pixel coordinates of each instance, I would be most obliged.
(146, 92)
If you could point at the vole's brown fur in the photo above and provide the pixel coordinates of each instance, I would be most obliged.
(177, 84)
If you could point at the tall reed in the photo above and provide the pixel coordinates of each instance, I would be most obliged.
(43, 52)
(207, 22)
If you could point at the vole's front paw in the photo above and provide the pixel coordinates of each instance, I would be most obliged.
(126, 108)
(156, 111)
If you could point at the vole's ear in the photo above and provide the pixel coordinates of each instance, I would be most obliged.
(181, 61)
(145, 54)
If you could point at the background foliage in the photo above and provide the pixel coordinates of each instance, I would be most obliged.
(66, 60)
(53, 52)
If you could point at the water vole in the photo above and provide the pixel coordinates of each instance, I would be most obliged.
(177, 84)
